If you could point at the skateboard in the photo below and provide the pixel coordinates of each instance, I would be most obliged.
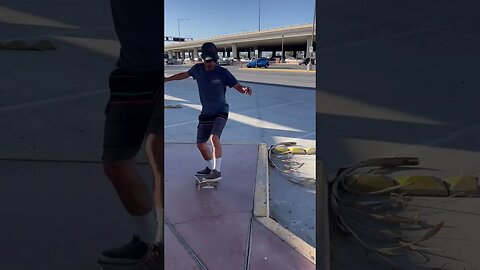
(201, 183)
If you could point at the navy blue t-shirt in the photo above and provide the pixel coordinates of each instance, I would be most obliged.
(212, 86)
(139, 27)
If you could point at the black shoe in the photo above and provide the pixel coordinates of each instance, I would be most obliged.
(205, 171)
(154, 259)
(131, 253)
(214, 175)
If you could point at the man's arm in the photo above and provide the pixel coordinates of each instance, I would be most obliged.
(243, 89)
(177, 77)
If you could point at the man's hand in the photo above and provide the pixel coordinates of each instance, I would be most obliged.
(243, 89)
(247, 90)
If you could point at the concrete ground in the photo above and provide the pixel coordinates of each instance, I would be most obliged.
(401, 78)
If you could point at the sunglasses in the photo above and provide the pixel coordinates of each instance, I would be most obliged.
(210, 61)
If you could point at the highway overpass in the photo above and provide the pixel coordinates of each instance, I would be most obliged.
(295, 39)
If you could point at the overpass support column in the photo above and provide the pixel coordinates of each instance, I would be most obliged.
(195, 52)
(170, 54)
(183, 54)
(257, 53)
(309, 43)
(235, 51)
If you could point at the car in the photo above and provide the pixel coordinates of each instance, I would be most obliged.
(224, 62)
(260, 62)
(170, 61)
(307, 60)
(274, 58)
(292, 60)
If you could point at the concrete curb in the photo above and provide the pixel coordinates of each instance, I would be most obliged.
(279, 70)
(323, 219)
(261, 206)
(261, 212)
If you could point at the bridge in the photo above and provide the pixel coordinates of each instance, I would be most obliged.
(296, 38)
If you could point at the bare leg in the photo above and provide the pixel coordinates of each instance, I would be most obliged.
(204, 150)
(217, 147)
(131, 188)
(154, 149)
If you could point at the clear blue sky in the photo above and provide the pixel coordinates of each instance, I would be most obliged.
(210, 18)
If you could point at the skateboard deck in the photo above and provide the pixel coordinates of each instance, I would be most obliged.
(200, 183)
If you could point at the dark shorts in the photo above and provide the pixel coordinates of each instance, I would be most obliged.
(134, 110)
(210, 125)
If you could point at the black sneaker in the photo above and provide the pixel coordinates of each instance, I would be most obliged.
(154, 259)
(205, 171)
(130, 253)
(214, 175)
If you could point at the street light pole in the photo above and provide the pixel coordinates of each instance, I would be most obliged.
(258, 15)
(178, 21)
(309, 65)
(282, 50)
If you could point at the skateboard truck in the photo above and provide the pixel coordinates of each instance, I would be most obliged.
(201, 183)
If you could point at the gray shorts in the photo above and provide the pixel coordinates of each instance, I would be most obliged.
(134, 110)
(210, 125)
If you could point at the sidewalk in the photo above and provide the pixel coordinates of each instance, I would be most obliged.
(68, 212)
(218, 229)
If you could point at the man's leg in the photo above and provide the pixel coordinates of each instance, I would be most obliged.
(125, 127)
(205, 151)
(217, 151)
(203, 132)
(154, 148)
(217, 128)
(130, 187)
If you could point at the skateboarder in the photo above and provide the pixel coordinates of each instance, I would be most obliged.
(133, 113)
(212, 81)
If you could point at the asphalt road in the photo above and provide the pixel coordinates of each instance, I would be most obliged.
(270, 76)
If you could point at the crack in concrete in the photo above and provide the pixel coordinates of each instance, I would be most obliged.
(212, 216)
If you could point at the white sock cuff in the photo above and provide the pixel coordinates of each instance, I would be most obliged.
(145, 226)
(210, 164)
(218, 163)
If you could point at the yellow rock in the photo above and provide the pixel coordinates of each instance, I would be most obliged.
(297, 150)
(311, 151)
(280, 149)
(422, 185)
(467, 185)
(370, 182)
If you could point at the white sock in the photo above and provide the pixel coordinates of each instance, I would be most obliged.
(217, 163)
(210, 164)
(145, 226)
(159, 236)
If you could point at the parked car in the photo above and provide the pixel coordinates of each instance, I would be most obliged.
(260, 62)
(170, 61)
(274, 58)
(224, 62)
(292, 60)
(305, 61)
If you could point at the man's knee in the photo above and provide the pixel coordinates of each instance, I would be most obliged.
(115, 169)
(215, 139)
(202, 146)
